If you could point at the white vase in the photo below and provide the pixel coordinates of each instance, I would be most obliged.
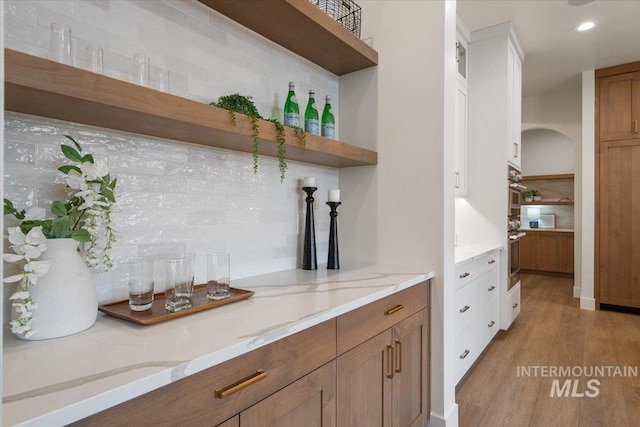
(65, 295)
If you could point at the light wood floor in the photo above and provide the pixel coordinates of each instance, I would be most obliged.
(551, 330)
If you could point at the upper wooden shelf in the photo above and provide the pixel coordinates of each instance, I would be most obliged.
(46, 88)
(303, 28)
(545, 177)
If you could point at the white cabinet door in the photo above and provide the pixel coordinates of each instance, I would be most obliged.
(514, 104)
(461, 140)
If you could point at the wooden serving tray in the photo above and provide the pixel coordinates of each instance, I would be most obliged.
(157, 312)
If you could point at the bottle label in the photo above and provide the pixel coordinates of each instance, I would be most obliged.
(294, 99)
(312, 126)
(292, 119)
(329, 130)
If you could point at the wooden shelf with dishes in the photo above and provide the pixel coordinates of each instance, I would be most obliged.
(302, 28)
(45, 88)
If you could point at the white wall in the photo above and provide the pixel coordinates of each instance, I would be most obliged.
(401, 212)
(547, 152)
(173, 196)
(586, 192)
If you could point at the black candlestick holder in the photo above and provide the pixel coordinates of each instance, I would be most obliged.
(333, 257)
(309, 259)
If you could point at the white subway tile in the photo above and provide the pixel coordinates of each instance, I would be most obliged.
(21, 9)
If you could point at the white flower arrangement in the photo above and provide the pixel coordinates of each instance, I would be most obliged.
(85, 217)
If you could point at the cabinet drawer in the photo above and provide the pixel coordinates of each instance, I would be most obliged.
(488, 262)
(514, 303)
(193, 400)
(467, 349)
(488, 288)
(359, 325)
(465, 273)
(466, 305)
(490, 323)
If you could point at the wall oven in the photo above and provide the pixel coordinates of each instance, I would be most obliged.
(514, 224)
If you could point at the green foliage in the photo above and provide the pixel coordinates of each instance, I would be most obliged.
(301, 137)
(282, 150)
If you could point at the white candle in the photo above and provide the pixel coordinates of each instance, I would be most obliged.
(334, 195)
(309, 181)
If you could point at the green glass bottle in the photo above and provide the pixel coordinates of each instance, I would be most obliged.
(291, 109)
(328, 121)
(311, 118)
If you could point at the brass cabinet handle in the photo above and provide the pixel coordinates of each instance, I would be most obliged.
(491, 288)
(465, 354)
(515, 150)
(635, 126)
(491, 261)
(491, 324)
(515, 305)
(398, 363)
(227, 391)
(462, 276)
(457, 179)
(389, 361)
(457, 52)
(394, 309)
(465, 308)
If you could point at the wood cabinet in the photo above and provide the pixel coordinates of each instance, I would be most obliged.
(383, 380)
(547, 251)
(619, 107)
(381, 377)
(618, 185)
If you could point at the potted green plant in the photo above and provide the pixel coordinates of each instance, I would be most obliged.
(528, 195)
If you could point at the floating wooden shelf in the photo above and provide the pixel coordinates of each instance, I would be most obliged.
(303, 28)
(543, 203)
(46, 88)
(547, 177)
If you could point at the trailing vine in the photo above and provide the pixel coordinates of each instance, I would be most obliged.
(237, 103)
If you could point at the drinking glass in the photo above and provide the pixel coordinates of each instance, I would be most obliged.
(162, 79)
(141, 284)
(218, 277)
(95, 58)
(141, 74)
(61, 43)
(178, 280)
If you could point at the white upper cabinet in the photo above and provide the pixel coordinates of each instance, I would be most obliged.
(462, 110)
(496, 57)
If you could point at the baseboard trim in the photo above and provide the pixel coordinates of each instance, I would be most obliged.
(588, 303)
(450, 419)
(577, 291)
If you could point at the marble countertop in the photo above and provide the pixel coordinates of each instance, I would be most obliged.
(561, 230)
(468, 252)
(59, 381)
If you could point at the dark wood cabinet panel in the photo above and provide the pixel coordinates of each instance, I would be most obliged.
(619, 107)
(528, 252)
(547, 252)
(567, 253)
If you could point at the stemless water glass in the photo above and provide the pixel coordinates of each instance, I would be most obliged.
(95, 58)
(141, 284)
(218, 277)
(178, 279)
(141, 73)
(61, 43)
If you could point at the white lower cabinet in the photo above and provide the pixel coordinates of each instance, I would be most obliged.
(477, 309)
(513, 308)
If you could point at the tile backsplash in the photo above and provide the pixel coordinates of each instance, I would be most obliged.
(173, 196)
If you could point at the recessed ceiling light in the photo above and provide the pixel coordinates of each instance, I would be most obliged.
(586, 26)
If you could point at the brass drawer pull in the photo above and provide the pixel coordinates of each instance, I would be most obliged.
(398, 356)
(491, 288)
(635, 126)
(465, 354)
(227, 391)
(389, 361)
(492, 261)
(394, 309)
(491, 324)
(462, 276)
(515, 305)
(465, 308)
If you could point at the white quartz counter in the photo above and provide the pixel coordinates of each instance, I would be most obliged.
(468, 252)
(55, 382)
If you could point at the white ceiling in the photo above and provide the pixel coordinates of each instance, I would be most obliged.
(556, 54)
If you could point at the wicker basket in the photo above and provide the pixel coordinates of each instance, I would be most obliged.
(346, 12)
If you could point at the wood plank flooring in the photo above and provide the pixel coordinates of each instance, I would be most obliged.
(552, 331)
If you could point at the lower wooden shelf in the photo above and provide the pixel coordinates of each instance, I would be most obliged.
(41, 87)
